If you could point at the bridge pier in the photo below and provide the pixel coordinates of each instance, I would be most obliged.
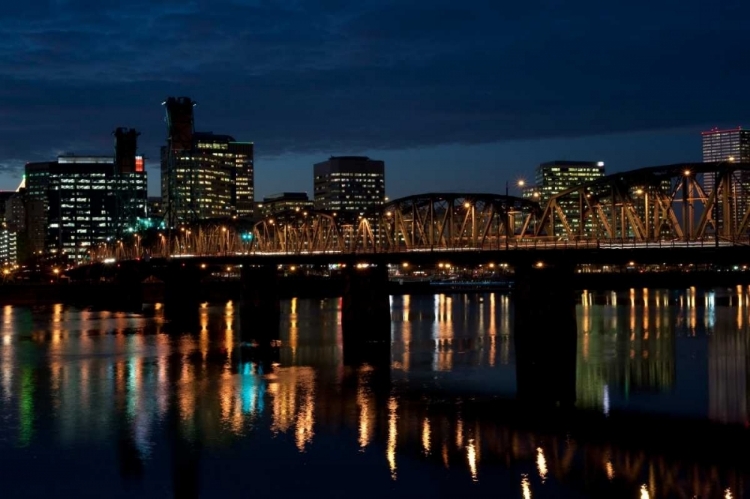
(260, 310)
(366, 316)
(182, 284)
(545, 334)
(129, 280)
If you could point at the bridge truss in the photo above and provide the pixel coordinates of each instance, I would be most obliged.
(425, 221)
(681, 204)
(686, 202)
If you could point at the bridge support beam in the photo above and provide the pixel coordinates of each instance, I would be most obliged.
(366, 316)
(545, 334)
(260, 310)
(129, 279)
(182, 295)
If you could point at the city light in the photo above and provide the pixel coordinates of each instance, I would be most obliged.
(541, 464)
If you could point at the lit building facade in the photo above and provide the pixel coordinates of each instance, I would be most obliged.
(350, 185)
(554, 177)
(37, 204)
(729, 145)
(8, 247)
(285, 201)
(726, 145)
(204, 175)
(90, 202)
(15, 212)
(4, 198)
(155, 207)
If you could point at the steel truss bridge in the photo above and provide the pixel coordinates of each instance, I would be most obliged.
(683, 205)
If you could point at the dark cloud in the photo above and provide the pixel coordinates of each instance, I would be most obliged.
(335, 76)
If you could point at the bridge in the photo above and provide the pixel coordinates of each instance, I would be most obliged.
(688, 213)
(679, 205)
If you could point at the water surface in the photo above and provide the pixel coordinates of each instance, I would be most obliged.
(115, 404)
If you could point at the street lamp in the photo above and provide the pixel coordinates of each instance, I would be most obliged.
(520, 184)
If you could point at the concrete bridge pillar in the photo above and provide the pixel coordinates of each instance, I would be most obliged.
(366, 316)
(260, 310)
(545, 334)
(129, 281)
(182, 294)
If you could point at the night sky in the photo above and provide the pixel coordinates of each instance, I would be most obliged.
(456, 96)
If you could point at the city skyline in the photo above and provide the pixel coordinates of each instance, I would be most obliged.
(424, 87)
(676, 146)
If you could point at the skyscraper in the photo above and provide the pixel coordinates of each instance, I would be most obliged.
(129, 185)
(76, 202)
(726, 145)
(729, 145)
(204, 175)
(80, 207)
(37, 204)
(349, 184)
(555, 177)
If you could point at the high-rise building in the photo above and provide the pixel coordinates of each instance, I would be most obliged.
(555, 177)
(350, 185)
(204, 175)
(726, 145)
(37, 204)
(80, 205)
(129, 183)
(155, 207)
(4, 197)
(285, 201)
(15, 212)
(76, 202)
(729, 145)
(8, 247)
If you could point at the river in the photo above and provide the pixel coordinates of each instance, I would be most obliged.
(100, 403)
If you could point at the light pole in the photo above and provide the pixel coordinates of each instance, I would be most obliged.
(520, 184)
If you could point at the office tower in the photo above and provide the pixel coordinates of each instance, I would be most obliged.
(129, 183)
(204, 175)
(155, 207)
(285, 201)
(80, 207)
(726, 145)
(350, 185)
(37, 205)
(729, 145)
(8, 247)
(4, 197)
(555, 177)
(76, 202)
(15, 212)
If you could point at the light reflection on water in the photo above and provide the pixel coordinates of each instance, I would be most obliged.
(115, 389)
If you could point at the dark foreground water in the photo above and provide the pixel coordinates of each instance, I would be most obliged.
(106, 404)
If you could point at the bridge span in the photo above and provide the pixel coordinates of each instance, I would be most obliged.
(691, 204)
